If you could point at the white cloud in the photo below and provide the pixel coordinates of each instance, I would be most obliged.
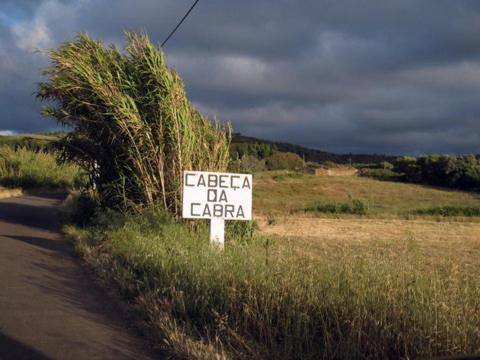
(7, 132)
(51, 22)
(32, 35)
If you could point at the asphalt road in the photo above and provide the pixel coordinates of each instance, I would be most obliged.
(49, 306)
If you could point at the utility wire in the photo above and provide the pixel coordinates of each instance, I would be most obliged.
(180, 23)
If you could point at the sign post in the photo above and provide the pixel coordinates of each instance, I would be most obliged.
(217, 232)
(218, 197)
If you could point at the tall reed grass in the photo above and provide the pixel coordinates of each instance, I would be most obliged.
(132, 126)
(260, 300)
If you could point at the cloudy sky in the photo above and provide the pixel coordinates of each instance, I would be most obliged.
(385, 76)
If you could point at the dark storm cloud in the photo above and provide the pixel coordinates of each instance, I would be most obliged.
(349, 76)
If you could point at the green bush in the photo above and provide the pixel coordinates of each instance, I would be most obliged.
(385, 165)
(29, 169)
(284, 161)
(80, 209)
(247, 164)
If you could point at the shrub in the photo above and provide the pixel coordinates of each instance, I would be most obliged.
(284, 161)
(247, 164)
(132, 126)
(385, 165)
(80, 209)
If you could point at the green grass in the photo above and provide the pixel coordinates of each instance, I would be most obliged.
(27, 169)
(264, 299)
(356, 207)
(35, 142)
(450, 211)
(385, 198)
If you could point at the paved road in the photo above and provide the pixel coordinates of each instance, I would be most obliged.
(49, 306)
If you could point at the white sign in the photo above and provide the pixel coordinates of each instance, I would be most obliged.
(212, 195)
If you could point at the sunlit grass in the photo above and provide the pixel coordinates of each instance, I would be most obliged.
(273, 298)
(27, 169)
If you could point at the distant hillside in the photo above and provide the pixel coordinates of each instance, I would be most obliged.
(244, 144)
(241, 145)
(29, 141)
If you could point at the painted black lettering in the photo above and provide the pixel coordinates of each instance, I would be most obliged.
(223, 197)
(191, 209)
(212, 180)
(212, 195)
(217, 210)
(223, 181)
(201, 181)
(246, 183)
(232, 183)
(186, 180)
(240, 212)
(229, 209)
(206, 211)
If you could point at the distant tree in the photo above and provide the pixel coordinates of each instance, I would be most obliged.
(408, 168)
(284, 160)
(385, 165)
(462, 172)
(247, 164)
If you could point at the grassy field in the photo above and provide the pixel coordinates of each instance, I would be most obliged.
(432, 242)
(30, 169)
(281, 192)
(306, 286)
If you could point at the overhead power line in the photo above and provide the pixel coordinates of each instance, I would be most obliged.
(180, 23)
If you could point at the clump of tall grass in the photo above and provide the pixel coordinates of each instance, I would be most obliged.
(132, 126)
(248, 302)
(355, 206)
(29, 169)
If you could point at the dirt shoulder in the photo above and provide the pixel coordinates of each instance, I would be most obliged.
(7, 193)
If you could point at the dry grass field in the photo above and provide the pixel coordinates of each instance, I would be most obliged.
(433, 241)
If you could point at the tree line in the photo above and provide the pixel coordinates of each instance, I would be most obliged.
(460, 172)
